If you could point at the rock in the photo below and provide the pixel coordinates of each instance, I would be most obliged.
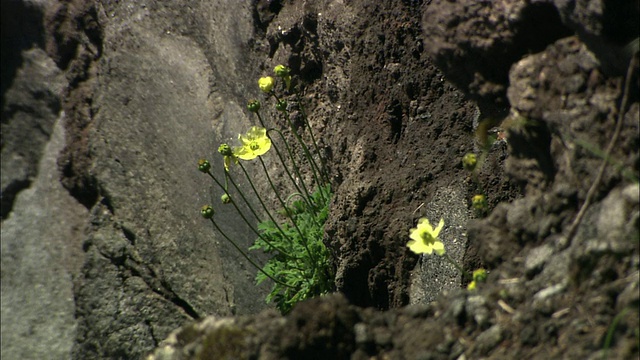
(165, 99)
(147, 89)
(608, 39)
(495, 34)
(476, 307)
(41, 254)
(537, 258)
(30, 107)
(488, 340)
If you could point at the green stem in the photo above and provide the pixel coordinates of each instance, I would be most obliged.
(254, 214)
(313, 139)
(247, 257)
(302, 237)
(296, 170)
(311, 207)
(295, 166)
(314, 166)
(452, 262)
(263, 204)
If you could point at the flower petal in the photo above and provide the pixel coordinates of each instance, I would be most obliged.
(436, 232)
(418, 247)
(438, 247)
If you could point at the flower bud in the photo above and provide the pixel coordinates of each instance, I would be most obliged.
(472, 285)
(253, 106)
(281, 71)
(266, 84)
(479, 202)
(469, 161)
(281, 105)
(225, 150)
(204, 165)
(206, 212)
(225, 198)
(480, 275)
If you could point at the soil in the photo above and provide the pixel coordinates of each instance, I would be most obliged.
(400, 133)
(409, 136)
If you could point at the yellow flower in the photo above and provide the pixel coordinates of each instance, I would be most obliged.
(424, 238)
(254, 143)
(472, 285)
(266, 84)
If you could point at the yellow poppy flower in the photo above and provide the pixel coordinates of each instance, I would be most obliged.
(424, 238)
(254, 143)
(266, 84)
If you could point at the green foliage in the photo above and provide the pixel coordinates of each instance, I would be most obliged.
(308, 274)
(612, 329)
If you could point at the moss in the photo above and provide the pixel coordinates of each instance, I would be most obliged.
(226, 342)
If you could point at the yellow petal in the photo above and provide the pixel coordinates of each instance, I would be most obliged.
(415, 234)
(438, 247)
(436, 232)
(417, 247)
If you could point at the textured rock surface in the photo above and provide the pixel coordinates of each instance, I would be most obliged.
(163, 97)
(41, 253)
(112, 267)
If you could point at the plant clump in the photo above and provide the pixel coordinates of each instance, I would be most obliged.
(300, 266)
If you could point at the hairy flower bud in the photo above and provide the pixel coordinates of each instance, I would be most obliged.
(281, 105)
(225, 150)
(253, 106)
(281, 71)
(266, 84)
(469, 161)
(206, 212)
(480, 275)
(204, 165)
(479, 202)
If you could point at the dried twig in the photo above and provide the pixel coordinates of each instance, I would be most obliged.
(592, 190)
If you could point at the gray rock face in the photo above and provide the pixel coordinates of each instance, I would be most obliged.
(168, 86)
(41, 224)
(31, 106)
(165, 97)
(41, 253)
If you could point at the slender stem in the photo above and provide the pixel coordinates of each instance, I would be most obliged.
(596, 182)
(245, 219)
(302, 237)
(295, 166)
(247, 257)
(313, 139)
(311, 206)
(314, 167)
(293, 161)
(263, 204)
(452, 262)
(228, 177)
